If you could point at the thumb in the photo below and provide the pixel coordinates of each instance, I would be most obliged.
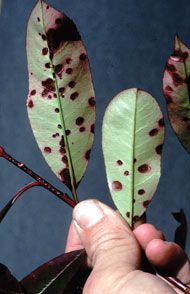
(110, 245)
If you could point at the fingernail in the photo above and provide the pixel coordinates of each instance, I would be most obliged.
(87, 213)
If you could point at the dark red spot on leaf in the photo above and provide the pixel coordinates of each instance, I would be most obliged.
(144, 168)
(49, 96)
(68, 132)
(79, 121)
(134, 160)
(62, 149)
(38, 19)
(68, 60)
(58, 68)
(64, 31)
(116, 186)
(168, 99)
(170, 67)
(74, 95)
(87, 154)
(92, 129)
(128, 214)
(72, 84)
(33, 92)
(69, 70)
(177, 79)
(55, 95)
(43, 37)
(47, 65)
(47, 7)
(82, 129)
(56, 110)
(30, 104)
(49, 86)
(61, 90)
(83, 56)
(59, 126)
(45, 51)
(64, 159)
(169, 89)
(92, 101)
(141, 192)
(161, 122)
(159, 149)
(55, 135)
(126, 172)
(146, 203)
(65, 177)
(47, 150)
(153, 132)
(58, 21)
(119, 162)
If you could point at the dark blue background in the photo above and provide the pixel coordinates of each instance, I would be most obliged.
(128, 42)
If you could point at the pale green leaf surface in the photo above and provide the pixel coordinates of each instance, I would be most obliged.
(132, 140)
(61, 105)
(176, 86)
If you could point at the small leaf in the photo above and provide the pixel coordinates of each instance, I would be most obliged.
(61, 105)
(54, 276)
(176, 87)
(181, 231)
(8, 283)
(132, 139)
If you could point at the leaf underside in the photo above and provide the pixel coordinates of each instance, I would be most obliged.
(176, 87)
(55, 275)
(61, 103)
(132, 141)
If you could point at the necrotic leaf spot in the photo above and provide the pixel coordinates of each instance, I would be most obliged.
(68, 132)
(45, 51)
(79, 121)
(126, 172)
(38, 19)
(87, 154)
(59, 126)
(92, 129)
(141, 192)
(128, 214)
(33, 92)
(58, 68)
(30, 104)
(72, 84)
(83, 56)
(153, 132)
(159, 149)
(177, 79)
(169, 89)
(69, 71)
(82, 129)
(91, 101)
(57, 110)
(146, 203)
(68, 60)
(47, 65)
(119, 162)
(47, 150)
(74, 95)
(168, 99)
(161, 122)
(144, 168)
(65, 176)
(116, 186)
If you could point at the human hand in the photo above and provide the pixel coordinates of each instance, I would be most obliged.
(114, 252)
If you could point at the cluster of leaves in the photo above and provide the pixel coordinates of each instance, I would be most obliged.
(61, 109)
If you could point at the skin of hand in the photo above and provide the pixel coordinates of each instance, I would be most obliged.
(114, 252)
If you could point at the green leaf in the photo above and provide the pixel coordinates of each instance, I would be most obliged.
(61, 105)
(132, 140)
(55, 275)
(176, 86)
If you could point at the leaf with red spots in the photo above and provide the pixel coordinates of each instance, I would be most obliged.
(55, 275)
(132, 140)
(61, 104)
(176, 87)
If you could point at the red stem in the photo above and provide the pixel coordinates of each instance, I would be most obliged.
(43, 183)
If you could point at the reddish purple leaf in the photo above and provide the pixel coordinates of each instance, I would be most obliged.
(54, 276)
(176, 86)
